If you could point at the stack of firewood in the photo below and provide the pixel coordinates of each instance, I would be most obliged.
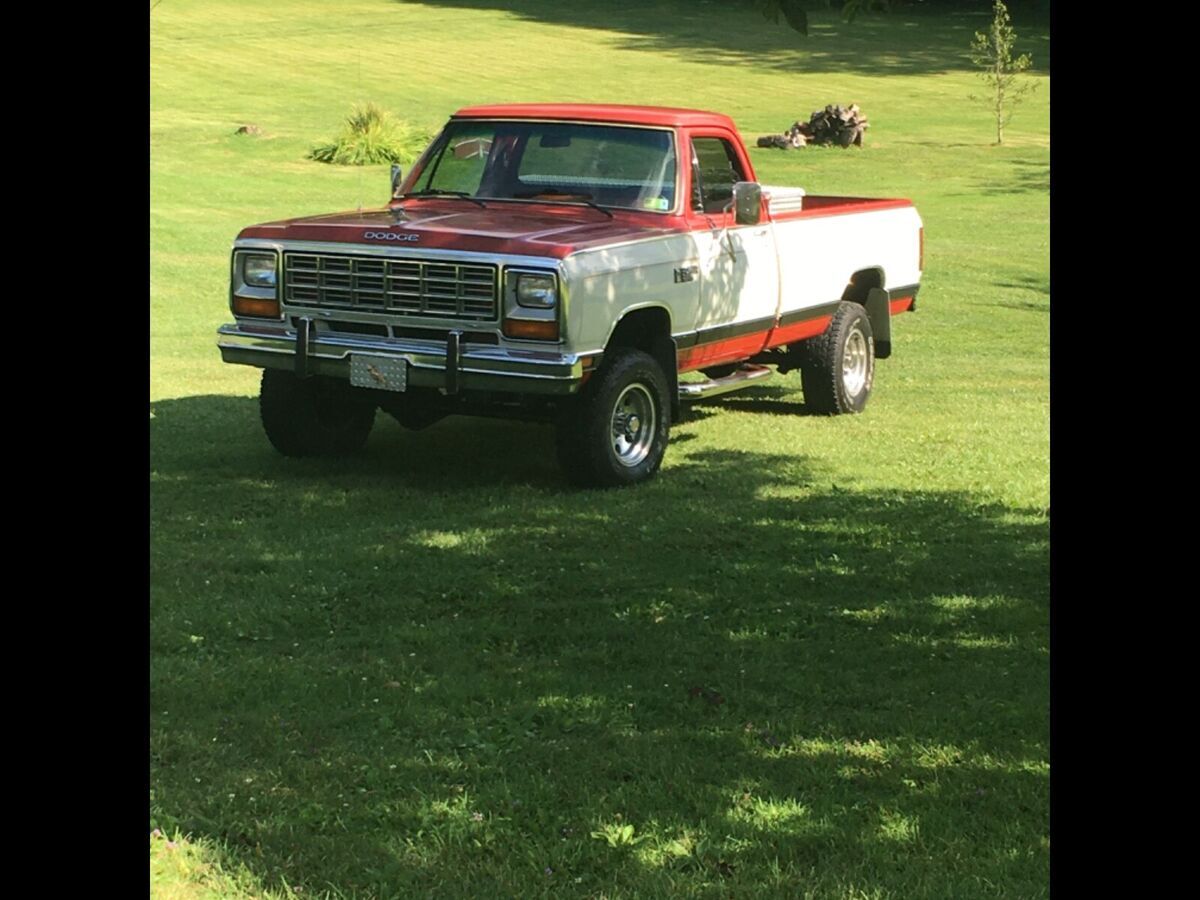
(832, 125)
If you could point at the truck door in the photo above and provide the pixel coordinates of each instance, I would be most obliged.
(739, 272)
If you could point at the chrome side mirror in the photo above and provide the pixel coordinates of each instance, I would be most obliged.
(747, 202)
(397, 177)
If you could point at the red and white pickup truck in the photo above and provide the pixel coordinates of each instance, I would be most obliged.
(566, 264)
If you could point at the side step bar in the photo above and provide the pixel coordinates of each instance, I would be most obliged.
(743, 377)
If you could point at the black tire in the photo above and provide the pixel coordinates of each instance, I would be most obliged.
(628, 390)
(838, 367)
(314, 416)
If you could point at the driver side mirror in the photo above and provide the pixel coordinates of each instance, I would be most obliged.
(397, 177)
(747, 202)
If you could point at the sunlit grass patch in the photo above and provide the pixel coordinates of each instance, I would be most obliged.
(771, 814)
(184, 868)
(874, 614)
(897, 827)
(938, 756)
(473, 541)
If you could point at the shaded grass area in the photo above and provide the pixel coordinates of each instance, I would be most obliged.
(443, 674)
(911, 40)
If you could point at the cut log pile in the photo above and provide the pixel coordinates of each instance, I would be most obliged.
(832, 125)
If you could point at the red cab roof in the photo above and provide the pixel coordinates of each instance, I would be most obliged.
(599, 112)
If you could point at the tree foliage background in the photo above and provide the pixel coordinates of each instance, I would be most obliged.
(795, 12)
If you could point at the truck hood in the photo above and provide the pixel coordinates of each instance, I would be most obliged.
(507, 228)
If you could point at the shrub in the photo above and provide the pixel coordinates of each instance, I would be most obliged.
(369, 137)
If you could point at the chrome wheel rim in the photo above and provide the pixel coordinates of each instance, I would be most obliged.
(633, 424)
(854, 363)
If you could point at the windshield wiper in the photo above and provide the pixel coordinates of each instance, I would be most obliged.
(438, 192)
(585, 199)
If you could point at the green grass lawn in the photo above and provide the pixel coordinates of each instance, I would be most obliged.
(809, 660)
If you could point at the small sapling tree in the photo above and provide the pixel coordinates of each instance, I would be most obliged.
(991, 51)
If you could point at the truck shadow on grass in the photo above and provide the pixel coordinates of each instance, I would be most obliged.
(771, 399)
(907, 41)
(439, 675)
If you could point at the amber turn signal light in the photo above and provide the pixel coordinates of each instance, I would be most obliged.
(540, 330)
(252, 306)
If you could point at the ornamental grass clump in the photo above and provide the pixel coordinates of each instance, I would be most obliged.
(371, 136)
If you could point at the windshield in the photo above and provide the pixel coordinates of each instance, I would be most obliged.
(561, 162)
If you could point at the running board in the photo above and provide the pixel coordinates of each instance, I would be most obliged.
(743, 377)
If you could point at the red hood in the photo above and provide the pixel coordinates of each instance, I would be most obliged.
(514, 228)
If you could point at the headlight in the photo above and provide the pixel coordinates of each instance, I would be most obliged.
(259, 271)
(536, 291)
(254, 290)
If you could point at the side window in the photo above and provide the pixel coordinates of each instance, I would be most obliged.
(715, 169)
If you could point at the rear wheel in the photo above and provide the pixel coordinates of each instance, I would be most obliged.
(314, 416)
(616, 431)
(839, 366)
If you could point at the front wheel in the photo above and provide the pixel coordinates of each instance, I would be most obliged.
(839, 365)
(616, 431)
(315, 416)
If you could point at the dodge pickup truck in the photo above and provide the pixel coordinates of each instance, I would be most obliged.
(568, 264)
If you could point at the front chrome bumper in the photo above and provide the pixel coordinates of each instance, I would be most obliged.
(431, 363)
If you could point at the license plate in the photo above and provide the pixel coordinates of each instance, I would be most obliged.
(383, 373)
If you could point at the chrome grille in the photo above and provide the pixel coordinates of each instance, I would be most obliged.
(418, 287)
